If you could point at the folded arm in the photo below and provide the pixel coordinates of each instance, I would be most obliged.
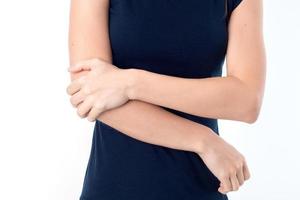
(88, 38)
(237, 96)
(145, 121)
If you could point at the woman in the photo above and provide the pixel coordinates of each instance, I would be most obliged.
(148, 73)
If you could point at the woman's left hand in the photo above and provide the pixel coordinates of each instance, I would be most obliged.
(104, 87)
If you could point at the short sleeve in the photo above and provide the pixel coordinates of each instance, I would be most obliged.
(233, 4)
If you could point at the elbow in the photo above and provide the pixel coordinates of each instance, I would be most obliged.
(251, 116)
(251, 112)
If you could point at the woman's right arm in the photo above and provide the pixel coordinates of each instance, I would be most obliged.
(89, 38)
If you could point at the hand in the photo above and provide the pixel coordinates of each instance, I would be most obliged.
(225, 162)
(102, 88)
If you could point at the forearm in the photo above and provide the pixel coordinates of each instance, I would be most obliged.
(214, 97)
(88, 38)
(155, 125)
(238, 96)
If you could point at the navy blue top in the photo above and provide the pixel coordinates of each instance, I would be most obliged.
(184, 38)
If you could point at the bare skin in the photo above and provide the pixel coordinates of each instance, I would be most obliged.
(98, 94)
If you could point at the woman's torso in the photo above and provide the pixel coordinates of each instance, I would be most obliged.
(184, 38)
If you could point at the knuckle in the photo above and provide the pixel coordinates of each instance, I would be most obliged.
(99, 106)
(247, 176)
(91, 119)
(72, 101)
(90, 98)
(242, 158)
(80, 113)
(86, 90)
(224, 176)
(239, 165)
(232, 171)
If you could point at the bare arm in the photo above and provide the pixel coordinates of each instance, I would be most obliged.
(88, 38)
(237, 96)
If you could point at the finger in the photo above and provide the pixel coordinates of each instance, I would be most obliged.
(78, 68)
(76, 85)
(240, 176)
(234, 182)
(84, 107)
(94, 113)
(246, 171)
(225, 186)
(77, 98)
(73, 87)
(221, 187)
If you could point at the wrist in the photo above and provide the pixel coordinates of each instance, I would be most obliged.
(132, 76)
(204, 141)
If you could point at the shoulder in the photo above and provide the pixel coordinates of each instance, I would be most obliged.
(244, 8)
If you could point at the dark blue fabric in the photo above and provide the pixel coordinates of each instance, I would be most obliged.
(234, 4)
(184, 38)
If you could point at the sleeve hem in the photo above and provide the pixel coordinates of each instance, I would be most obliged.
(235, 4)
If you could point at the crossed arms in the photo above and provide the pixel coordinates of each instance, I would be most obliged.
(238, 96)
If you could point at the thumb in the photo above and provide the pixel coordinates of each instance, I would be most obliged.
(79, 67)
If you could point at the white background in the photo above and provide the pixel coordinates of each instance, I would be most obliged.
(44, 145)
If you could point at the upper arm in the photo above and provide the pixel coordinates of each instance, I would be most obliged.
(246, 52)
(88, 31)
